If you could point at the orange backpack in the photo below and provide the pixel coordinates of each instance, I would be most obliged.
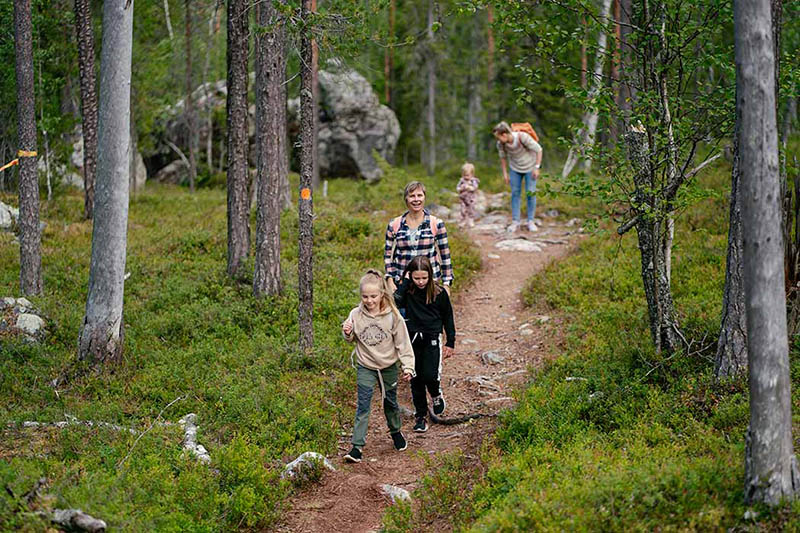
(526, 127)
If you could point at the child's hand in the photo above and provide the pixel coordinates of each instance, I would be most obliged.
(407, 376)
(447, 352)
(347, 327)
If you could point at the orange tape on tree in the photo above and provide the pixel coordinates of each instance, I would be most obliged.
(26, 153)
(9, 164)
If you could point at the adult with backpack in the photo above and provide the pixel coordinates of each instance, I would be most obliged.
(416, 232)
(518, 148)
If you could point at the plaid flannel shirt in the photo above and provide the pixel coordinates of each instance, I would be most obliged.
(427, 244)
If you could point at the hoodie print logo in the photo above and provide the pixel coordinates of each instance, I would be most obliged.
(373, 335)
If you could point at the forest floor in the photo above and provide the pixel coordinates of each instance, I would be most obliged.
(490, 317)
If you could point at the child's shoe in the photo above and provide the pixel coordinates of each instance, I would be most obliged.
(421, 426)
(353, 456)
(438, 405)
(399, 441)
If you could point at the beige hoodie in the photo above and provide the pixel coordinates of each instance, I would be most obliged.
(380, 340)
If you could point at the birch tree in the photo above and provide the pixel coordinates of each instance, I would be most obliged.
(586, 135)
(238, 199)
(85, 37)
(270, 147)
(30, 238)
(102, 334)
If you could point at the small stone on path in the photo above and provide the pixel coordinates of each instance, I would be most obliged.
(518, 245)
(493, 256)
(396, 494)
(491, 358)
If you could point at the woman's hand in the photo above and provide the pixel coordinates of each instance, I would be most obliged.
(347, 327)
(447, 352)
(507, 179)
(407, 376)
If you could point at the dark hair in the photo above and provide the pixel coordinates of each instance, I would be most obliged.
(422, 263)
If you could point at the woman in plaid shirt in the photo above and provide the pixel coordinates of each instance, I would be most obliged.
(412, 234)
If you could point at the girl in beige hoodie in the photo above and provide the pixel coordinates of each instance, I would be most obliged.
(382, 345)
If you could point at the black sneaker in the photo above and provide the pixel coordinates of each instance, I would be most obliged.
(353, 456)
(399, 441)
(421, 426)
(438, 405)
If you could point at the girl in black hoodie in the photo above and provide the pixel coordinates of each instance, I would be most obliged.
(428, 312)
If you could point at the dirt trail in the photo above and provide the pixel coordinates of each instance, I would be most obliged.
(490, 317)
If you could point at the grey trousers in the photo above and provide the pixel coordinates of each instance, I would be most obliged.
(367, 379)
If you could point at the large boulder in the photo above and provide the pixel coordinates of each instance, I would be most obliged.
(353, 124)
(8, 217)
(73, 174)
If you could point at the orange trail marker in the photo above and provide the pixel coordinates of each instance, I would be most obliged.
(305, 193)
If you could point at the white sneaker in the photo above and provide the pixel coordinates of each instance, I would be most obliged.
(513, 227)
(532, 226)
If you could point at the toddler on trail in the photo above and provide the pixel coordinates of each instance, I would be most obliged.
(467, 190)
(428, 311)
(382, 346)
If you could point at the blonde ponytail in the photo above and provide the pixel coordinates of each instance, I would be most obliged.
(373, 277)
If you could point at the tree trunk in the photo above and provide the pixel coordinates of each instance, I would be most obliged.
(315, 180)
(431, 111)
(30, 237)
(625, 89)
(238, 201)
(388, 59)
(473, 110)
(209, 108)
(102, 334)
(85, 38)
(305, 206)
(586, 134)
(653, 235)
(771, 474)
(731, 357)
(190, 122)
(270, 126)
(490, 47)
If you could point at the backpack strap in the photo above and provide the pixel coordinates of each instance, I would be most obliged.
(395, 223)
(434, 225)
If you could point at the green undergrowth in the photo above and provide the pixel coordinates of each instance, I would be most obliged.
(611, 436)
(195, 341)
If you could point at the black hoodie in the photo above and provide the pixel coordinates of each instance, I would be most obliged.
(429, 318)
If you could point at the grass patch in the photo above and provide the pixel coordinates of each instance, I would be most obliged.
(193, 333)
(643, 441)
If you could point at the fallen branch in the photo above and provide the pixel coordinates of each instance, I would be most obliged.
(500, 399)
(457, 420)
(72, 421)
(148, 429)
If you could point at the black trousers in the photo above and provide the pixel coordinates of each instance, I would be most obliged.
(428, 357)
